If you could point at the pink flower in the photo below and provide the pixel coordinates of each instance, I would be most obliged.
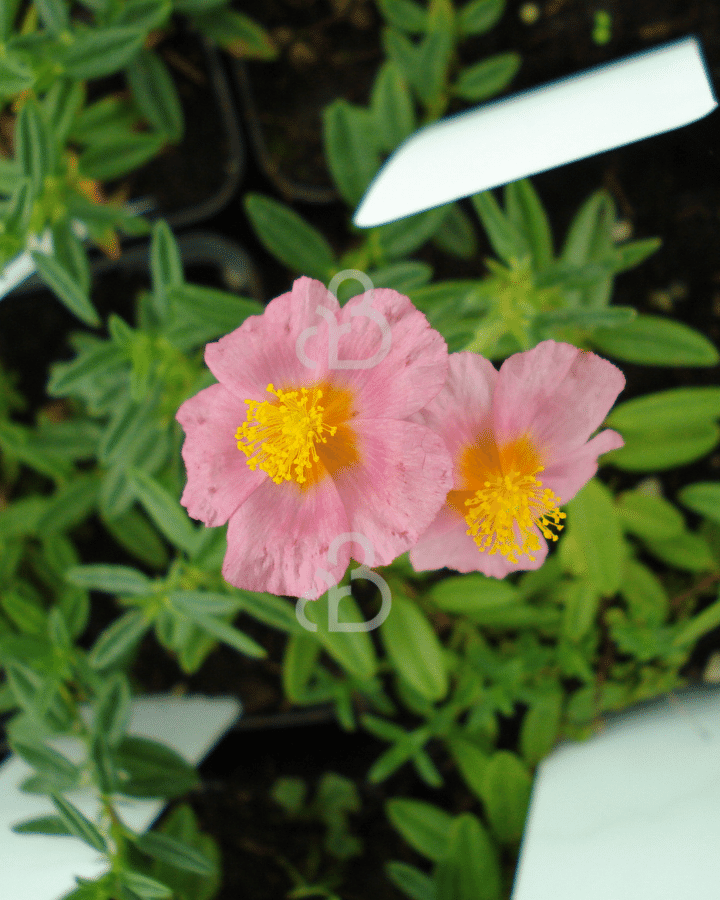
(519, 443)
(294, 457)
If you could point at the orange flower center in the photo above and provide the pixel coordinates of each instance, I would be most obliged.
(300, 434)
(501, 499)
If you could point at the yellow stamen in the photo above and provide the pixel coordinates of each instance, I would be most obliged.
(502, 501)
(285, 436)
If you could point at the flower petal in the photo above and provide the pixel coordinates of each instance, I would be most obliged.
(412, 371)
(462, 408)
(446, 544)
(264, 349)
(576, 468)
(278, 540)
(394, 494)
(557, 393)
(218, 477)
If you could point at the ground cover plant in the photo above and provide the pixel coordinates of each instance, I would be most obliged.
(207, 477)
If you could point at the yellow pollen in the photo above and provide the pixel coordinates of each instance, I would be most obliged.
(280, 435)
(501, 500)
(506, 508)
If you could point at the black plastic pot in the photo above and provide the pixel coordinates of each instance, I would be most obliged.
(206, 167)
(261, 140)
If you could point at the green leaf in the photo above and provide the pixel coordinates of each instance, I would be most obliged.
(21, 517)
(273, 611)
(582, 601)
(165, 511)
(210, 312)
(645, 595)
(25, 685)
(350, 148)
(610, 317)
(456, 235)
(301, 654)
(654, 341)
(401, 276)
(221, 631)
(506, 795)
(78, 825)
(54, 15)
(702, 497)
(23, 609)
(78, 374)
(108, 116)
(104, 770)
(687, 551)
(404, 14)
(101, 51)
(404, 54)
(182, 825)
(112, 713)
(165, 265)
(144, 887)
(471, 595)
(205, 603)
(42, 825)
(174, 852)
(119, 154)
(411, 881)
(32, 144)
(143, 14)
(648, 516)
(352, 649)
(153, 770)
(135, 533)
(155, 94)
(65, 288)
(471, 762)
(701, 624)
(22, 444)
(16, 75)
(69, 251)
(434, 55)
(289, 238)
(118, 639)
(525, 210)
(236, 33)
(414, 649)
(471, 870)
(70, 506)
(658, 449)
(540, 728)
(593, 522)
(49, 763)
(424, 826)
(506, 238)
(391, 106)
(398, 239)
(62, 103)
(487, 78)
(674, 408)
(121, 580)
(479, 16)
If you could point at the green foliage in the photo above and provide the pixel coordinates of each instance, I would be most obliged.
(609, 620)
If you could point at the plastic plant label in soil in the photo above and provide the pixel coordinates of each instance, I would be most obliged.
(40, 867)
(633, 813)
(607, 107)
